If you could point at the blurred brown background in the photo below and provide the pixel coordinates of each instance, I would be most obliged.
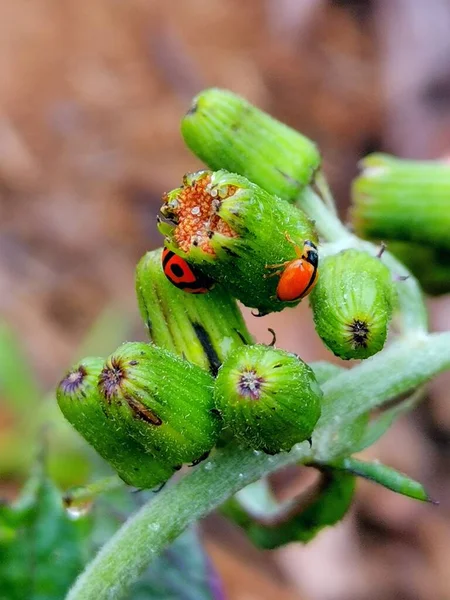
(91, 95)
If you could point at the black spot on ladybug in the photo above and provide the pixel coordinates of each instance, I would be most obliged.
(176, 270)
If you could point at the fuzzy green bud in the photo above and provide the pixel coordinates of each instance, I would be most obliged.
(395, 199)
(237, 234)
(203, 328)
(352, 303)
(268, 398)
(227, 132)
(165, 403)
(80, 403)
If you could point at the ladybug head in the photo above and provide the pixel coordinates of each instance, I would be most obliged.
(310, 253)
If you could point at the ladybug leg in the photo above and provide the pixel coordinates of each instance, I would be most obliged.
(298, 250)
(267, 275)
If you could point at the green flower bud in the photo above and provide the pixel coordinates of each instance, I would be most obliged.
(165, 403)
(240, 236)
(226, 132)
(268, 398)
(203, 328)
(408, 200)
(352, 304)
(80, 403)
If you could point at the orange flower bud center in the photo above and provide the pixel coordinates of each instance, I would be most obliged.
(195, 211)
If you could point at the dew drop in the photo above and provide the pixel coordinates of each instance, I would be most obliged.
(154, 526)
(76, 511)
(209, 466)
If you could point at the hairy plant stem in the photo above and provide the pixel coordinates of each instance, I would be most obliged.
(397, 370)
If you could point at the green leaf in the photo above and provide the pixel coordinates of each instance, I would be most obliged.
(385, 476)
(41, 549)
(268, 531)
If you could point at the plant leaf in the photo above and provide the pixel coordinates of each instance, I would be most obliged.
(385, 476)
(327, 509)
(41, 549)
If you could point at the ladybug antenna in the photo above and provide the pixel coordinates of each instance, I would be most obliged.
(274, 337)
(243, 340)
(381, 250)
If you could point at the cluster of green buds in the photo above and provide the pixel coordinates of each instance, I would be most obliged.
(234, 232)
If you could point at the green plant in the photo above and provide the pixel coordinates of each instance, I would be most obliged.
(233, 230)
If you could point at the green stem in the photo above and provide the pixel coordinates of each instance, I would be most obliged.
(394, 371)
(327, 223)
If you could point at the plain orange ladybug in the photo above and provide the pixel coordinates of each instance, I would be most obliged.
(297, 276)
(182, 275)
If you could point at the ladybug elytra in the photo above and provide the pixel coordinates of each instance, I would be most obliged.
(182, 275)
(297, 276)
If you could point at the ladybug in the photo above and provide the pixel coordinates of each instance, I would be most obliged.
(182, 275)
(297, 276)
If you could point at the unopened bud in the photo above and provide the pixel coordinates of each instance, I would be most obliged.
(80, 403)
(396, 199)
(227, 132)
(268, 398)
(165, 402)
(353, 303)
